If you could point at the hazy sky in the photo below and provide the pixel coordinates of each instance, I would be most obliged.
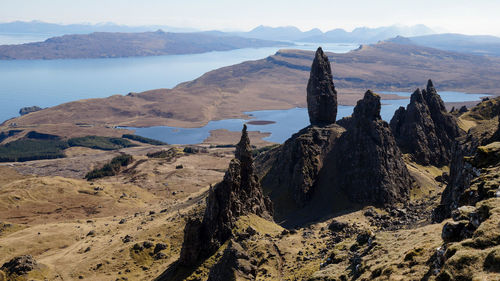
(464, 16)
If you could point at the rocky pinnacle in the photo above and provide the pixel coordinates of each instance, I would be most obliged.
(238, 194)
(321, 94)
(371, 169)
(425, 129)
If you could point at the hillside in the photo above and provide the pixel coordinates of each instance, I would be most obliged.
(277, 82)
(113, 45)
(337, 201)
(472, 44)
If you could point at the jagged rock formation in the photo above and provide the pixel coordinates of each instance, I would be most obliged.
(425, 129)
(321, 93)
(297, 165)
(321, 170)
(370, 167)
(238, 194)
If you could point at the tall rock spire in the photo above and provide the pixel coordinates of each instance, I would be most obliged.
(238, 194)
(321, 93)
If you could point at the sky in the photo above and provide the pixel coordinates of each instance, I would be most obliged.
(460, 16)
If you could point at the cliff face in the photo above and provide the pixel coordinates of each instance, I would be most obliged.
(238, 194)
(321, 93)
(292, 179)
(370, 167)
(425, 129)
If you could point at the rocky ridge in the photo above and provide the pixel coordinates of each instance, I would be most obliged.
(425, 129)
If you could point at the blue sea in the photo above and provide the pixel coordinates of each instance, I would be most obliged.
(47, 83)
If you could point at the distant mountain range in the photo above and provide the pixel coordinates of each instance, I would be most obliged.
(54, 29)
(290, 33)
(358, 35)
(472, 44)
(286, 33)
(111, 45)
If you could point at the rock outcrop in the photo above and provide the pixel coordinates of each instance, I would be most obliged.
(235, 264)
(496, 136)
(328, 167)
(464, 169)
(370, 167)
(323, 170)
(238, 194)
(321, 93)
(19, 266)
(297, 165)
(29, 109)
(425, 129)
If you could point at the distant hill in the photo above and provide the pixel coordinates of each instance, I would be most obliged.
(110, 45)
(62, 29)
(473, 44)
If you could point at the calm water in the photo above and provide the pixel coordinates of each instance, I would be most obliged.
(287, 123)
(21, 38)
(51, 82)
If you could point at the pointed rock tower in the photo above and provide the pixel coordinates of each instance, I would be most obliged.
(425, 129)
(321, 94)
(238, 194)
(370, 166)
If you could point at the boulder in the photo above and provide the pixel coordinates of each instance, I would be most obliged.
(456, 231)
(19, 265)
